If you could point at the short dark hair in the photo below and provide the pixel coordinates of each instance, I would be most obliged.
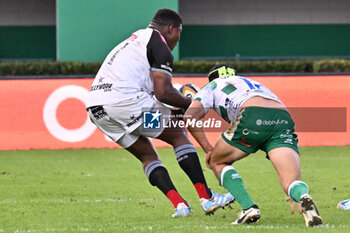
(167, 17)
(220, 70)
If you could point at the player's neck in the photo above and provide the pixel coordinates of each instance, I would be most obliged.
(157, 27)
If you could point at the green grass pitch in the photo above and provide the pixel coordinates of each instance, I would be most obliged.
(105, 190)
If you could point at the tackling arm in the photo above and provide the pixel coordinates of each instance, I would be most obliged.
(166, 93)
(196, 112)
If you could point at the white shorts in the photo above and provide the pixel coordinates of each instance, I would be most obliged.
(124, 122)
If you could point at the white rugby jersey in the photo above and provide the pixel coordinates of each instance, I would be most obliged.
(127, 69)
(226, 95)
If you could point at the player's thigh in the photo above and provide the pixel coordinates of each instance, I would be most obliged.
(224, 153)
(287, 164)
(110, 127)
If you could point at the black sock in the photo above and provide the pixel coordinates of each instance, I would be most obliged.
(187, 158)
(158, 176)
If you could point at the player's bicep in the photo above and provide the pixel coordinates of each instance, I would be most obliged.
(161, 82)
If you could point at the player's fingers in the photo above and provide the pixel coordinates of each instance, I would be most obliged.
(291, 204)
(292, 207)
(299, 208)
(207, 160)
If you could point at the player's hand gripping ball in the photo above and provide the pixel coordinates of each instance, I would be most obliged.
(189, 90)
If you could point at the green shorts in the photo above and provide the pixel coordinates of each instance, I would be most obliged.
(262, 128)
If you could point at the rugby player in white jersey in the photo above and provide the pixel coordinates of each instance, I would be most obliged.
(259, 120)
(135, 78)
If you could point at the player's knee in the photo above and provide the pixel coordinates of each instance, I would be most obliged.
(180, 139)
(175, 137)
(216, 165)
(147, 159)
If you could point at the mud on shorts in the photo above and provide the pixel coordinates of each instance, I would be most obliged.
(124, 122)
(262, 128)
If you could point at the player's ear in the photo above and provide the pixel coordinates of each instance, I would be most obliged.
(171, 29)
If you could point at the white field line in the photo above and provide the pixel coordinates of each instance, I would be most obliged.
(158, 228)
(72, 200)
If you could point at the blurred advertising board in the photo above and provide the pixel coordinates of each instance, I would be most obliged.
(50, 113)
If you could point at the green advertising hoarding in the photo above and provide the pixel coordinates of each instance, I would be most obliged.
(88, 29)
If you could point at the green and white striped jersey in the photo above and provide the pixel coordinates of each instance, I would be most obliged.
(226, 95)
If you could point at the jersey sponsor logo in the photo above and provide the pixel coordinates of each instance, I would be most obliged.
(244, 142)
(271, 122)
(152, 120)
(289, 141)
(230, 131)
(116, 53)
(182, 158)
(235, 176)
(249, 131)
(287, 134)
(105, 87)
(132, 37)
(134, 119)
(231, 104)
(100, 80)
(98, 112)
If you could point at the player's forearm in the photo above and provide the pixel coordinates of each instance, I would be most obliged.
(174, 98)
(196, 112)
(199, 135)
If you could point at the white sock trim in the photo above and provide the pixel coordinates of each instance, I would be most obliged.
(294, 183)
(151, 166)
(223, 171)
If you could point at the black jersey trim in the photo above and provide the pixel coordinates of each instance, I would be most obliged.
(158, 53)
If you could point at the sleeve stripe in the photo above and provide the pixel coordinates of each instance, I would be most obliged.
(161, 70)
(162, 38)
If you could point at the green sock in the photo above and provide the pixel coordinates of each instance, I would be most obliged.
(297, 189)
(232, 181)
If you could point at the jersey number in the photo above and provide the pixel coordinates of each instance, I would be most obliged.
(228, 89)
(250, 84)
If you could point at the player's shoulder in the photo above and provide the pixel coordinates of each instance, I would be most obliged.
(157, 37)
(141, 34)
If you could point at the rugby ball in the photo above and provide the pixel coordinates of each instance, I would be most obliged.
(344, 205)
(189, 90)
